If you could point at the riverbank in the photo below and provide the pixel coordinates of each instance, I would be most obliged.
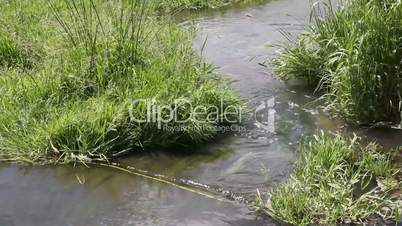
(175, 6)
(352, 55)
(337, 181)
(346, 55)
(80, 80)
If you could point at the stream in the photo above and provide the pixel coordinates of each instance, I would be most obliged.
(236, 42)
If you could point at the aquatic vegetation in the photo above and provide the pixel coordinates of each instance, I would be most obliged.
(336, 181)
(354, 55)
(178, 5)
(101, 57)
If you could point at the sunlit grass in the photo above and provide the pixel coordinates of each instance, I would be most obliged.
(354, 55)
(180, 5)
(336, 181)
(96, 57)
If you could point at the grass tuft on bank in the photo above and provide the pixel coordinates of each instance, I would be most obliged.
(97, 58)
(180, 5)
(336, 181)
(353, 54)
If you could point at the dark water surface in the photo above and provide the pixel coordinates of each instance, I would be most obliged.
(236, 43)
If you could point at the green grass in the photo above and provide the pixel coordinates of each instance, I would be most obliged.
(179, 5)
(87, 61)
(13, 54)
(336, 181)
(352, 54)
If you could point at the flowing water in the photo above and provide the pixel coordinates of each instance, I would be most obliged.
(236, 42)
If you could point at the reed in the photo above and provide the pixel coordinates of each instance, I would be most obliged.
(353, 53)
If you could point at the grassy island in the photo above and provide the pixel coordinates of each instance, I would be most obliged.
(77, 79)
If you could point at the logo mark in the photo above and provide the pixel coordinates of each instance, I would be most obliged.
(265, 115)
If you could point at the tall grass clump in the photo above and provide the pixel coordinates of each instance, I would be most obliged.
(353, 54)
(78, 105)
(336, 181)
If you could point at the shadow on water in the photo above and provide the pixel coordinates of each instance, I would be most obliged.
(237, 40)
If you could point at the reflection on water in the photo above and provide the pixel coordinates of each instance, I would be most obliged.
(237, 42)
(101, 196)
